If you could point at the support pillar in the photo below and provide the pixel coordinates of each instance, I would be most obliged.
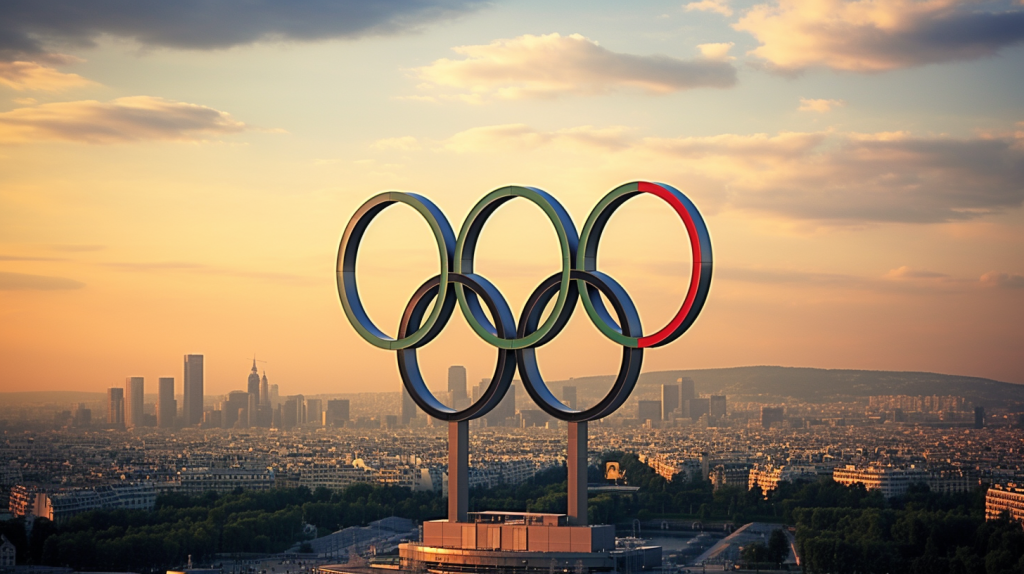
(577, 462)
(458, 471)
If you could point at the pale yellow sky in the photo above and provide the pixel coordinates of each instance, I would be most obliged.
(178, 197)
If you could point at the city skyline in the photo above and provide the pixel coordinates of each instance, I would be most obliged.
(164, 192)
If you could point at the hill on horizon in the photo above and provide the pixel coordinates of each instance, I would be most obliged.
(824, 385)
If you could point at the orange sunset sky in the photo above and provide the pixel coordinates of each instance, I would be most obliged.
(175, 179)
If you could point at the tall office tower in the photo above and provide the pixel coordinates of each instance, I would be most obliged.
(479, 389)
(314, 412)
(254, 382)
(275, 396)
(505, 413)
(648, 411)
(457, 386)
(686, 389)
(569, 396)
(337, 412)
(192, 410)
(134, 404)
(979, 417)
(670, 401)
(697, 408)
(115, 407)
(264, 391)
(166, 406)
(718, 406)
(409, 407)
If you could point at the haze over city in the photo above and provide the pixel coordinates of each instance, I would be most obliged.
(176, 183)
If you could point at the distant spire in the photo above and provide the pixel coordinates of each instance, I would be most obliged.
(254, 363)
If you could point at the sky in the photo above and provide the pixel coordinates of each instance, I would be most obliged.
(175, 178)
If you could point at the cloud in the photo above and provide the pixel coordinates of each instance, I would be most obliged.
(523, 137)
(25, 282)
(405, 143)
(717, 6)
(716, 51)
(136, 118)
(820, 106)
(877, 35)
(1003, 280)
(827, 177)
(208, 24)
(552, 65)
(34, 76)
(24, 258)
(905, 272)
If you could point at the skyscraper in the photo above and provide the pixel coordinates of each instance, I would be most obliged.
(193, 407)
(687, 390)
(166, 406)
(314, 412)
(337, 412)
(457, 386)
(569, 396)
(254, 382)
(505, 413)
(115, 407)
(670, 401)
(408, 407)
(134, 393)
(718, 406)
(648, 411)
(264, 391)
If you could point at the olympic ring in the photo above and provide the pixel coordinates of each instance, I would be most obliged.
(578, 277)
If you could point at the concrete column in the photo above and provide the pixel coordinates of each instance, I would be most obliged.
(577, 461)
(458, 471)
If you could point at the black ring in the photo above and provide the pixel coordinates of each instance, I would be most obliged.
(629, 369)
(408, 366)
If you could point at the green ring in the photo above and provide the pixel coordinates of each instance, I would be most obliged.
(465, 249)
(595, 226)
(348, 292)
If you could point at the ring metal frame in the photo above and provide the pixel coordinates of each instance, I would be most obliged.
(517, 346)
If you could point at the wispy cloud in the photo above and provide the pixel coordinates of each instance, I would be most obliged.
(878, 35)
(828, 177)
(26, 282)
(138, 118)
(204, 269)
(818, 105)
(905, 272)
(21, 76)
(716, 6)
(553, 65)
(1003, 280)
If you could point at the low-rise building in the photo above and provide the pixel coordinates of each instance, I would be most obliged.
(894, 481)
(200, 480)
(768, 477)
(63, 504)
(1008, 498)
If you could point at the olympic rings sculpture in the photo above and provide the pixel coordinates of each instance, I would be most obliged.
(516, 342)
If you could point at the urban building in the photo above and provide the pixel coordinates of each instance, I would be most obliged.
(1007, 498)
(979, 417)
(192, 409)
(265, 392)
(717, 406)
(772, 415)
(696, 408)
(235, 410)
(253, 383)
(338, 412)
(768, 477)
(687, 389)
(115, 407)
(8, 554)
(166, 406)
(409, 408)
(457, 386)
(134, 404)
(200, 480)
(82, 416)
(671, 404)
(648, 411)
(569, 396)
(63, 504)
(894, 481)
(504, 414)
(314, 412)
